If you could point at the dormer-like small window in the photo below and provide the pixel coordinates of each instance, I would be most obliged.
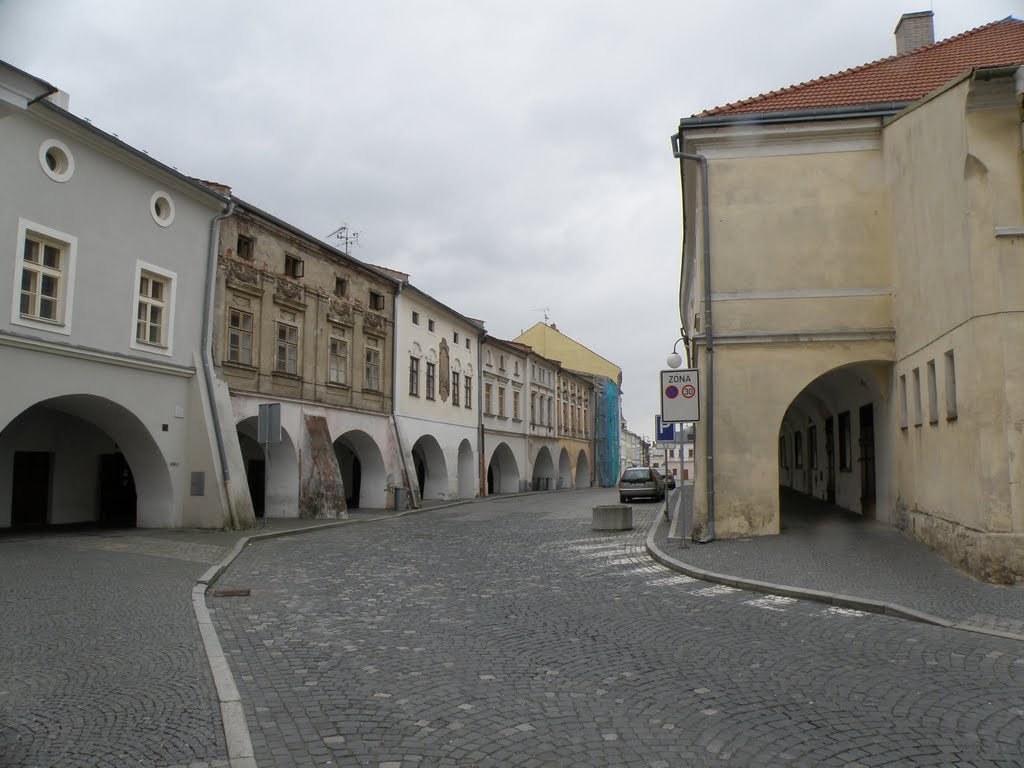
(376, 301)
(293, 266)
(245, 247)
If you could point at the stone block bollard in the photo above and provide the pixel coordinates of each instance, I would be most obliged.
(612, 517)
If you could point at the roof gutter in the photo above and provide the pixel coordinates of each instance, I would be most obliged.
(885, 109)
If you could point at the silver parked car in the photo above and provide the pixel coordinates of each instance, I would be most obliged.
(641, 482)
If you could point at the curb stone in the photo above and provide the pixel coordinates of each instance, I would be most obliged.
(838, 600)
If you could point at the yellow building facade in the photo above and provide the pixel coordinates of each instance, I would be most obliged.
(865, 238)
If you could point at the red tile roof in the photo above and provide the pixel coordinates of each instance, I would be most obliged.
(896, 79)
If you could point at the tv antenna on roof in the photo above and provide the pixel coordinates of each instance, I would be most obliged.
(545, 310)
(346, 235)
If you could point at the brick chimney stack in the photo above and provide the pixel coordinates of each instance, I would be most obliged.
(914, 31)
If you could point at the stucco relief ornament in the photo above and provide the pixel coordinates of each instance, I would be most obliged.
(289, 290)
(243, 273)
(444, 373)
(376, 322)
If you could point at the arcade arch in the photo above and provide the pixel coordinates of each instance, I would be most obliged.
(833, 444)
(467, 471)
(431, 468)
(362, 470)
(83, 458)
(582, 470)
(543, 478)
(273, 477)
(502, 471)
(564, 470)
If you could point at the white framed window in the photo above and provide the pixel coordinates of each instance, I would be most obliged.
(44, 278)
(56, 160)
(371, 372)
(337, 361)
(153, 320)
(287, 349)
(501, 402)
(161, 208)
(415, 317)
(414, 376)
(239, 337)
(430, 325)
(455, 388)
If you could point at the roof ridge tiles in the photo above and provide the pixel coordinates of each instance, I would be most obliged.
(795, 89)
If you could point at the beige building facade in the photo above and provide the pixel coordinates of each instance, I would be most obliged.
(308, 327)
(864, 241)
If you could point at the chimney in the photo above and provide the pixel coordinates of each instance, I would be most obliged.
(914, 31)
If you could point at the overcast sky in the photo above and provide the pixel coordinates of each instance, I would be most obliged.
(511, 156)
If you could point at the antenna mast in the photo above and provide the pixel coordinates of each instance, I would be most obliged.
(346, 235)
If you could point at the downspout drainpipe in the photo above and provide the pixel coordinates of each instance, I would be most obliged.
(211, 285)
(480, 412)
(394, 398)
(677, 144)
(1018, 88)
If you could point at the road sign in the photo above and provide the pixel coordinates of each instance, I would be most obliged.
(664, 433)
(680, 395)
(268, 425)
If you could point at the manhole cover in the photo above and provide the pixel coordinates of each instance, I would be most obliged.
(238, 592)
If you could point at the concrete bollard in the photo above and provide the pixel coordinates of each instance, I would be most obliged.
(612, 517)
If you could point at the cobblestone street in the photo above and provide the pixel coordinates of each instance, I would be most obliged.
(100, 659)
(508, 633)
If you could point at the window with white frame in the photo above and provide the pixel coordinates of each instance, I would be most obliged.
(152, 324)
(501, 402)
(151, 310)
(487, 399)
(371, 374)
(455, 388)
(469, 391)
(431, 377)
(287, 349)
(337, 360)
(44, 278)
(515, 406)
(414, 376)
(239, 337)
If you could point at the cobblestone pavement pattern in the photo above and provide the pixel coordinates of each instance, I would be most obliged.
(101, 663)
(826, 548)
(508, 633)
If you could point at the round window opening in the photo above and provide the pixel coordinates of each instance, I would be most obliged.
(56, 160)
(162, 208)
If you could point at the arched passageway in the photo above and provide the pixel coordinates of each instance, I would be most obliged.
(431, 469)
(543, 471)
(82, 459)
(362, 470)
(582, 471)
(503, 471)
(272, 475)
(830, 446)
(467, 471)
(564, 470)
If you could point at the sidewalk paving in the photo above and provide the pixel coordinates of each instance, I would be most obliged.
(825, 553)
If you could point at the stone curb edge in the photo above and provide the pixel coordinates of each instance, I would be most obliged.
(842, 601)
(236, 729)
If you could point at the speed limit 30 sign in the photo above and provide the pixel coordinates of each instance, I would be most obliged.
(680, 395)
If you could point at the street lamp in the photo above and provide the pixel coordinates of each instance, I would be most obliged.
(675, 360)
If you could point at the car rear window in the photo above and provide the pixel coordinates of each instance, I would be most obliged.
(636, 474)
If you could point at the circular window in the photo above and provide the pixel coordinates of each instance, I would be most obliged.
(56, 160)
(162, 208)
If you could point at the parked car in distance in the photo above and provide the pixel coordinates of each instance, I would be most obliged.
(670, 481)
(641, 482)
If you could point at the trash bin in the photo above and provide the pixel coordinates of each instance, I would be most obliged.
(400, 499)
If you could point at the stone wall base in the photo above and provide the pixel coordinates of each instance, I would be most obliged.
(997, 558)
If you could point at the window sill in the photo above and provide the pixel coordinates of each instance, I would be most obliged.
(286, 375)
(338, 385)
(367, 391)
(248, 367)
